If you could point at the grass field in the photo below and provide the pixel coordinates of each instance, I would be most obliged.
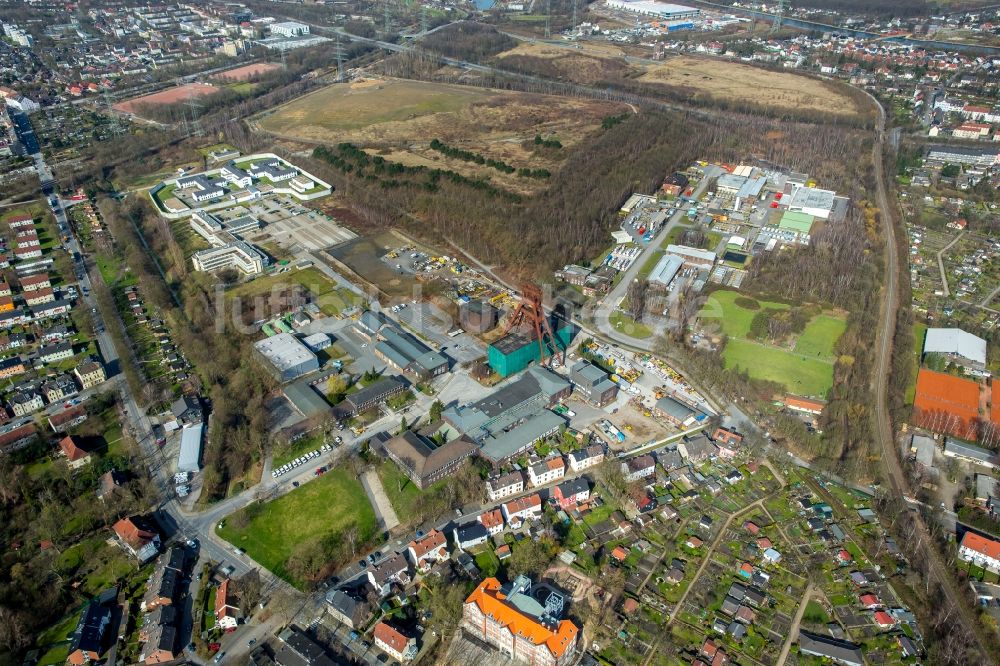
(735, 320)
(323, 507)
(714, 78)
(625, 324)
(401, 118)
(806, 369)
(798, 374)
(311, 278)
(820, 336)
(919, 333)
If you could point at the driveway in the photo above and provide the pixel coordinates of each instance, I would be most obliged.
(376, 495)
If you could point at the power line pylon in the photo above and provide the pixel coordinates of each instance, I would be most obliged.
(778, 16)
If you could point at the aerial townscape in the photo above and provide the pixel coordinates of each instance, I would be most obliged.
(487, 332)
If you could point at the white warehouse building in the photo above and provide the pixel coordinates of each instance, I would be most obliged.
(286, 356)
(663, 10)
(289, 29)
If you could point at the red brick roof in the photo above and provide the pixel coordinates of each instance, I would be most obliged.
(391, 637)
(981, 545)
(432, 541)
(491, 519)
(132, 534)
(72, 449)
(492, 603)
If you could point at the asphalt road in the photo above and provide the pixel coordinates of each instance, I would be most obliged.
(893, 470)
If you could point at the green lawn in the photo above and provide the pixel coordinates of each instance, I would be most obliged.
(487, 562)
(320, 508)
(625, 324)
(799, 374)
(402, 493)
(734, 319)
(59, 632)
(311, 278)
(284, 454)
(821, 335)
(919, 333)
(650, 264)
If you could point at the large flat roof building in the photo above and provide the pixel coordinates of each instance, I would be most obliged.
(286, 356)
(812, 201)
(239, 255)
(956, 344)
(663, 10)
(514, 417)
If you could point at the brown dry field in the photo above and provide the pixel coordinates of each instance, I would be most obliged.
(399, 118)
(722, 79)
(245, 72)
(589, 62)
(168, 96)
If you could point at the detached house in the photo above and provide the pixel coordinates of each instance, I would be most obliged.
(428, 550)
(589, 457)
(76, 456)
(395, 644)
(393, 570)
(137, 536)
(470, 535)
(639, 467)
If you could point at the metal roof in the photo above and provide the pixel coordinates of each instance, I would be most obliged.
(666, 269)
(187, 460)
(955, 341)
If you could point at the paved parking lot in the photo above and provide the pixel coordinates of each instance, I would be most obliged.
(293, 225)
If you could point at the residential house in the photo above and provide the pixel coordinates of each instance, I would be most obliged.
(347, 608)
(869, 601)
(161, 615)
(90, 373)
(68, 418)
(639, 467)
(88, 641)
(186, 409)
(470, 535)
(546, 471)
(585, 458)
(883, 620)
(76, 455)
(11, 367)
(57, 352)
(383, 575)
(161, 646)
(25, 402)
(227, 613)
(18, 438)
(391, 641)
(109, 483)
(300, 650)
(505, 486)
(60, 388)
(980, 551)
(492, 520)
(571, 492)
(40, 296)
(428, 550)
(697, 448)
(138, 537)
(517, 511)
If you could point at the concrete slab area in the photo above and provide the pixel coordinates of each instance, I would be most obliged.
(380, 501)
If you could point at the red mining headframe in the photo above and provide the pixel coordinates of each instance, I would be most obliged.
(530, 310)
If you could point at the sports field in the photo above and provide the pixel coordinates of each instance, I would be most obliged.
(320, 509)
(715, 78)
(399, 118)
(246, 72)
(184, 93)
(805, 368)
